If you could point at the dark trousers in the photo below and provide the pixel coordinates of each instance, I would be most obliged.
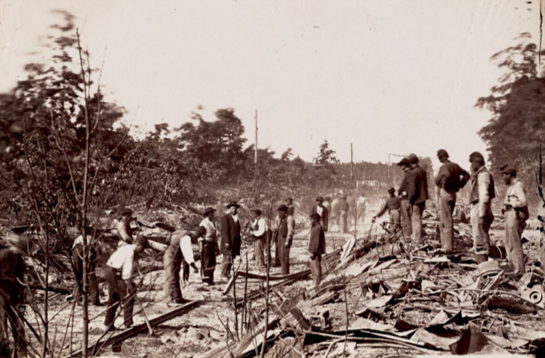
(77, 262)
(316, 269)
(172, 262)
(259, 248)
(119, 289)
(447, 202)
(9, 299)
(284, 253)
(277, 250)
(208, 263)
(226, 265)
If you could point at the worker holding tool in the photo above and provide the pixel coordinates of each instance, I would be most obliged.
(283, 233)
(78, 260)
(480, 199)
(120, 271)
(321, 210)
(515, 208)
(230, 239)
(12, 296)
(208, 246)
(449, 180)
(179, 250)
(393, 205)
(402, 192)
(316, 248)
(417, 196)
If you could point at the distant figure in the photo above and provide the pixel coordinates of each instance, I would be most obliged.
(124, 231)
(393, 205)
(291, 207)
(316, 248)
(343, 214)
(208, 246)
(230, 239)
(402, 192)
(480, 198)
(120, 271)
(450, 179)
(283, 233)
(321, 210)
(516, 214)
(361, 206)
(417, 194)
(77, 257)
(259, 232)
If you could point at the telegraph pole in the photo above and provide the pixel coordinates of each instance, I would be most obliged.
(351, 161)
(255, 146)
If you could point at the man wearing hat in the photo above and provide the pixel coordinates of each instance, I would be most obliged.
(417, 195)
(402, 192)
(516, 213)
(259, 232)
(209, 246)
(321, 210)
(316, 248)
(120, 271)
(393, 205)
(283, 234)
(480, 199)
(230, 239)
(123, 227)
(179, 250)
(449, 180)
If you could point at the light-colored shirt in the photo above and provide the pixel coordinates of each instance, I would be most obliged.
(187, 249)
(79, 240)
(210, 228)
(122, 233)
(320, 210)
(261, 225)
(516, 195)
(235, 217)
(123, 260)
(483, 183)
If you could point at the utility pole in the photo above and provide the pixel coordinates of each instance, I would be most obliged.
(351, 161)
(255, 146)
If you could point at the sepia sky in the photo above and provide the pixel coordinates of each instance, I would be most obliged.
(389, 76)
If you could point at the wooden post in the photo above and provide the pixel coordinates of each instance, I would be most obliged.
(351, 161)
(255, 151)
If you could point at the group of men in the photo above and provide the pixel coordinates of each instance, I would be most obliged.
(407, 207)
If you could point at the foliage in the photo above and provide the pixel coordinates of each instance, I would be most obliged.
(326, 155)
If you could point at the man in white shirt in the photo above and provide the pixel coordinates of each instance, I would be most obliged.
(208, 246)
(120, 270)
(179, 249)
(516, 214)
(259, 232)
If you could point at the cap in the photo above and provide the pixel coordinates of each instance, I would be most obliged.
(403, 162)
(314, 216)
(508, 169)
(282, 208)
(126, 211)
(257, 211)
(320, 199)
(141, 240)
(233, 203)
(208, 211)
(200, 231)
(413, 159)
(391, 190)
(475, 155)
(442, 153)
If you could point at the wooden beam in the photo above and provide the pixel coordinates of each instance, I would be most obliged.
(262, 276)
(121, 336)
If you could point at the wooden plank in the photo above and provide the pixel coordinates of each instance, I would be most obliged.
(118, 337)
(262, 276)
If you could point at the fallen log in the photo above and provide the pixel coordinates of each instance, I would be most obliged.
(121, 336)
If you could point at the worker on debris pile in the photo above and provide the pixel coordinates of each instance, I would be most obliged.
(449, 180)
(516, 213)
(179, 250)
(78, 260)
(480, 199)
(120, 271)
(283, 233)
(393, 205)
(209, 246)
(291, 207)
(123, 228)
(12, 296)
(316, 248)
(402, 192)
(230, 239)
(259, 231)
(321, 210)
(417, 193)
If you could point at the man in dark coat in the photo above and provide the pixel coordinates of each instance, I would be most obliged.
(450, 179)
(316, 248)
(402, 192)
(417, 195)
(283, 233)
(230, 239)
(321, 210)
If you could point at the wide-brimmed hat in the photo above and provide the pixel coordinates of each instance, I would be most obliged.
(257, 211)
(126, 211)
(233, 203)
(282, 208)
(320, 199)
(208, 211)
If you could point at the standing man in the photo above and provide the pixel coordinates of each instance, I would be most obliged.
(343, 214)
(77, 264)
(316, 248)
(393, 205)
(291, 207)
(321, 210)
(259, 232)
(208, 246)
(516, 214)
(417, 195)
(123, 227)
(230, 239)
(120, 271)
(450, 179)
(402, 192)
(480, 199)
(179, 249)
(284, 230)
